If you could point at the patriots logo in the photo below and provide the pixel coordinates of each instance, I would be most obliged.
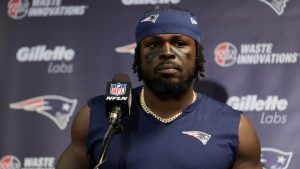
(277, 5)
(203, 137)
(126, 49)
(272, 158)
(193, 21)
(151, 18)
(57, 108)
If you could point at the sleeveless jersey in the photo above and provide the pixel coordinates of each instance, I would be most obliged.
(204, 136)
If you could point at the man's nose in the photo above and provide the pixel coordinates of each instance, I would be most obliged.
(167, 51)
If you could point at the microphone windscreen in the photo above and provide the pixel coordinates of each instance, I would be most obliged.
(121, 77)
(118, 93)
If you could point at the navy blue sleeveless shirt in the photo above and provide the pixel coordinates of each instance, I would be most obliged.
(204, 136)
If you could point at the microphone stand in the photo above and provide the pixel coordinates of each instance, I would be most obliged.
(113, 129)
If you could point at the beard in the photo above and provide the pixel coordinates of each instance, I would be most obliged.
(166, 89)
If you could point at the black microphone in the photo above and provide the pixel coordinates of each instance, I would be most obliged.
(118, 97)
(118, 103)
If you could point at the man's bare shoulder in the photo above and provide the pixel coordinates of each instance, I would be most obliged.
(75, 156)
(248, 155)
(80, 125)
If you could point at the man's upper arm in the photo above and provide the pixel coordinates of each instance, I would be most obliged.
(75, 156)
(248, 155)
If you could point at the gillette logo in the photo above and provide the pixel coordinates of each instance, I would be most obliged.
(57, 57)
(272, 108)
(252, 103)
(40, 53)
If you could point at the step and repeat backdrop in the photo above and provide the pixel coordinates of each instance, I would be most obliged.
(56, 54)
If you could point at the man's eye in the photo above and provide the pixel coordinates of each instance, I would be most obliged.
(180, 43)
(153, 45)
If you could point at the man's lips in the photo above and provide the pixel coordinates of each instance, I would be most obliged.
(167, 68)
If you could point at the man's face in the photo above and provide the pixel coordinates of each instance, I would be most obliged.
(168, 63)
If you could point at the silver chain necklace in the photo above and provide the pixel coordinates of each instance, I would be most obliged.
(163, 120)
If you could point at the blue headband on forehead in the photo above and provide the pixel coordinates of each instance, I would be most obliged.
(167, 21)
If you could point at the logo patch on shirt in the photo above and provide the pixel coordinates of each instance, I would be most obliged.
(203, 137)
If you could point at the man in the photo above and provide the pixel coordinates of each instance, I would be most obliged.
(171, 126)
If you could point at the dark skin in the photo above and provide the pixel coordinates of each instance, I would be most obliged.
(169, 57)
(166, 57)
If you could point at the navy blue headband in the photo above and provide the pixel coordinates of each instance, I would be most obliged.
(167, 21)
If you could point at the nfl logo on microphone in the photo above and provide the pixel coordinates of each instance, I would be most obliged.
(118, 89)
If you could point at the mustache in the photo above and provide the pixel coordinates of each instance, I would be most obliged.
(167, 65)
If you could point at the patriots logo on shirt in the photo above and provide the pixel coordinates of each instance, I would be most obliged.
(203, 137)
(277, 5)
(57, 108)
(272, 158)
